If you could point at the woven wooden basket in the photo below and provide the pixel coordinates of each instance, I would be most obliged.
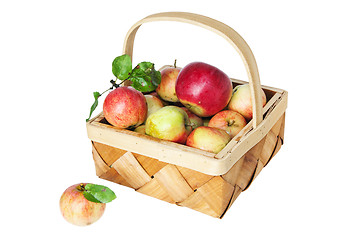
(175, 173)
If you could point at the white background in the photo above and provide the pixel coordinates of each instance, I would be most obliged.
(54, 54)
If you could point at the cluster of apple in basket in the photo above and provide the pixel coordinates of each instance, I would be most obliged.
(195, 105)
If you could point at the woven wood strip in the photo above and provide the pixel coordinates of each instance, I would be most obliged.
(251, 166)
(282, 130)
(100, 166)
(233, 175)
(107, 153)
(237, 191)
(217, 193)
(194, 179)
(212, 198)
(278, 146)
(270, 143)
(150, 165)
(173, 182)
(154, 189)
(113, 175)
(130, 169)
(196, 202)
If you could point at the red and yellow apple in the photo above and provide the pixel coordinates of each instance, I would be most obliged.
(140, 129)
(203, 89)
(153, 104)
(241, 101)
(169, 123)
(125, 107)
(194, 119)
(230, 121)
(166, 88)
(155, 94)
(76, 209)
(208, 139)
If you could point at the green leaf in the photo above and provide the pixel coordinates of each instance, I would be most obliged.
(146, 66)
(144, 77)
(98, 193)
(90, 197)
(95, 104)
(122, 67)
(156, 77)
(142, 83)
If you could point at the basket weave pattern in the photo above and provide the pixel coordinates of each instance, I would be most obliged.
(212, 195)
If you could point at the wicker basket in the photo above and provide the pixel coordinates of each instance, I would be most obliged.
(175, 173)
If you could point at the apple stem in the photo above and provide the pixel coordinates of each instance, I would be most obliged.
(175, 63)
(231, 123)
(114, 85)
(81, 187)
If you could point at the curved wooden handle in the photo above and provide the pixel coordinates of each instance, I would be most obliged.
(223, 30)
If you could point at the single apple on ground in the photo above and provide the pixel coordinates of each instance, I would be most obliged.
(241, 101)
(208, 139)
(76, 209)
(153, 104)
(203, 89)
(194, 119)
(166, 88)
(125, 107)
(169, 123)
(230, 121)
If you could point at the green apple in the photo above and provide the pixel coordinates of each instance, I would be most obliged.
(208, 139)
(169, 123)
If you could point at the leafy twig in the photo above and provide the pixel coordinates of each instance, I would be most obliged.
(144, 77)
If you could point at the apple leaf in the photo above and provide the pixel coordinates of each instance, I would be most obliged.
(98, 193)
(90, 197)
(122, 67)
(144, 77)
(95, 104)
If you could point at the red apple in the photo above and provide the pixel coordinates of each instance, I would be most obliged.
(166, 88)
(203, 89)
(169, 123)
(125, 107)
(208, 139)
(194, 119)
(241, 101)
(230, 121)
(153, 104)
(76, 209)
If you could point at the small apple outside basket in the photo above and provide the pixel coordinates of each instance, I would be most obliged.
(175, 173)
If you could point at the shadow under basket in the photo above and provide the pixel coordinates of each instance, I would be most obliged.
(186, 176)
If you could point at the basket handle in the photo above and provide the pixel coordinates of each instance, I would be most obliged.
(223, 30)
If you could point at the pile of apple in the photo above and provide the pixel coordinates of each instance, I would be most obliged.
(195, 105)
